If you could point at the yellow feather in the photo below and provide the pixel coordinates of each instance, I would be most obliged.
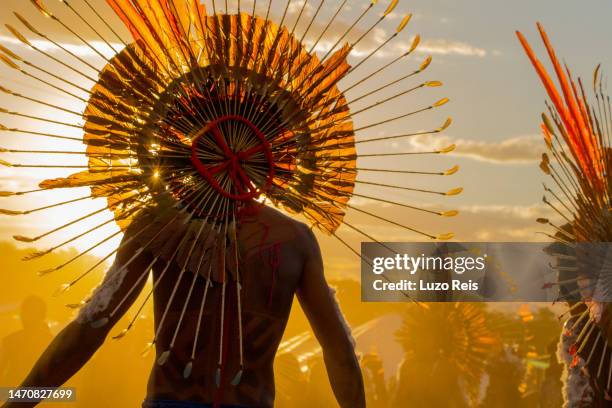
(403, 23)
(26, 23)
(596, 77)
(447, 149)
(454, 191)
(415, 43)
(9, 53)
(10, 212)
(451, 171)
(545, 168)
(446, 124)
(441, 102)
(21, 238)
(8, 62)
(547, 123)
(391, 7)
(425, 63)
(18, 34)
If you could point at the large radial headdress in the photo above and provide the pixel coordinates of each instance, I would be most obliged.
(447, 346)
(577, 132)
(199, 114)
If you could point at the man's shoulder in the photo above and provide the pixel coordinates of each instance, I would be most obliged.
(299, 226)
(14, 340)
(300, 231)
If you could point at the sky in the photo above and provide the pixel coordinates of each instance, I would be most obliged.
(495, 103)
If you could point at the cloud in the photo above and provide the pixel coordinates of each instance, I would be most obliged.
(498, 222)
(81, 50)
(374, 38)
(366, 45)
(300, 6)
(449, 47)
(378, 35)
(488, 223)
(519, 149)
(429, 47)
(528, 212)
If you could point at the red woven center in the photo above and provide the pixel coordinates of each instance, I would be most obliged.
(234, 161)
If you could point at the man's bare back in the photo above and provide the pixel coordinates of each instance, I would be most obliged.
(279, 257)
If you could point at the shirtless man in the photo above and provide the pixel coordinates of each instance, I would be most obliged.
(267, 296)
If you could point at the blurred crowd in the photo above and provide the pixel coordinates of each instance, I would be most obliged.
(520, 371)
(519, 375)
